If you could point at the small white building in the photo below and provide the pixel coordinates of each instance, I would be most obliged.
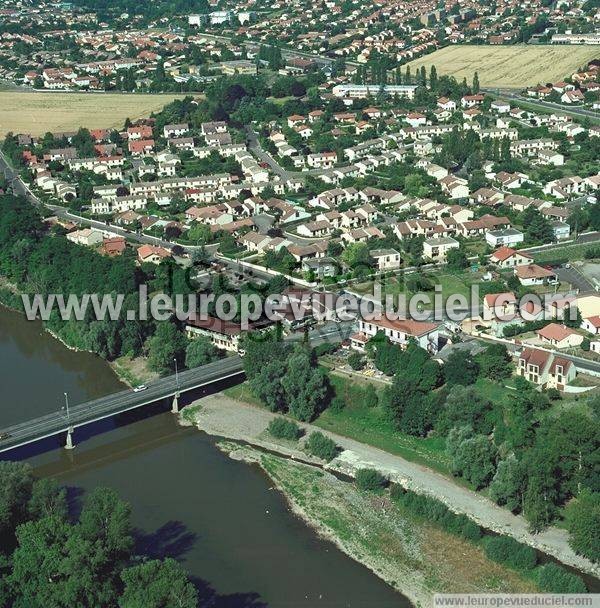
(437, 249)
(506, 237)
(87, 237)
(386, 259)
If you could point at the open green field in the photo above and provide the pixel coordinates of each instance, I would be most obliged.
(513, 66)
(38, 113)
(568, 253)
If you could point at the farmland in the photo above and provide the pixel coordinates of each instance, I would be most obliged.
(38, 113)
(515, 66)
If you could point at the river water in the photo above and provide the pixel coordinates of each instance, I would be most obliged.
(232, 532)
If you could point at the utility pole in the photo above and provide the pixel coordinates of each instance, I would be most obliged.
(70, 430)
(175, 407)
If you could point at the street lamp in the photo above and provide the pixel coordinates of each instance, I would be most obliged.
(66, 406)
(176, 374)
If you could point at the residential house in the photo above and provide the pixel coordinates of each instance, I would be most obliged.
(455, 187)
(591, 324)
(532, 274)
(86, 236)
(561, 230)
(499, 306)
(544, 369)
(398, 332)
(505, 257)
(559, 336)
(436, 249)
(152, 254)
(386, 259)
(506, 237)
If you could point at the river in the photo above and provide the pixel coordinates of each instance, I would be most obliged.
(233, 533)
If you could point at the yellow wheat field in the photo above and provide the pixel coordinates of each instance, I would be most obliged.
(38, 113)
(512, 66)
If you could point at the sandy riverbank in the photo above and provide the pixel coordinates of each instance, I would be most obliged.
(221, 416)
(414, 557)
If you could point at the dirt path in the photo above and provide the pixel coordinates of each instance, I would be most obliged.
(219, 415)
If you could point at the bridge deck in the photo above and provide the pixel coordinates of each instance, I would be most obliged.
(81, 414)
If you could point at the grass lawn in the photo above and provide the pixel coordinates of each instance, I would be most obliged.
(570, 253)
(371, 425)
(451, 283)
(493, 391)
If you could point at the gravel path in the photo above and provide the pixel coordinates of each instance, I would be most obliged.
(221, 416)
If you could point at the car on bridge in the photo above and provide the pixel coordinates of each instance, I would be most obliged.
(139, 388)
(4, 436)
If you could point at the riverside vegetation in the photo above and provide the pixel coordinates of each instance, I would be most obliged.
(530, 453)
(51, 559)
(503, 550)
(413, 542)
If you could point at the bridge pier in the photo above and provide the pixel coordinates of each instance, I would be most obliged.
(175, 406)
(70, 445)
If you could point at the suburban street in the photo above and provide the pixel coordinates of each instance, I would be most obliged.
(544, 105)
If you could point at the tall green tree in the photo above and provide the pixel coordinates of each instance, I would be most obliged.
(583, 523)
(305, 385)
(166, 345)
(106, 520)
(157, 584)
(200, 351)
(16, 485)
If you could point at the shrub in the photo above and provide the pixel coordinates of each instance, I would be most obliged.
(553, 394)
(592, 253)
(470, 530)
(434, 510)
(370, 480)
(337, 404)
(356, 361)
(510, 552)
(325, 349)
(321, 446)
(371, 396)
(552, 578)
(284, 429)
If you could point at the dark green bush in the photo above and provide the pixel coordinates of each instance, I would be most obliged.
(284, 429)
(433, 510)
(470, 530)
(325, 348)
(553, 578)
(321, 446)
(337, 404)
(370, 480)
(356, 361)
(510, 552)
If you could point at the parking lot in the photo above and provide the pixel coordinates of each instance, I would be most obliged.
(576, 277)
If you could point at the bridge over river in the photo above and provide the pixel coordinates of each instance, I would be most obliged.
(171, 387)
